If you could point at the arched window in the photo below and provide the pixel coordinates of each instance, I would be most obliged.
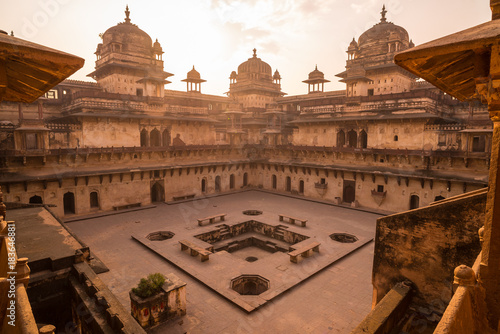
(275, 181)
(144, 138)
(414, 202)
(154, 138)
(245, 179)
(69, 203)
(166, 138)
(231, 181)
(217, 184)
(363, 139)
(340, 138)
(94, 200)
(438, 198)
(36, 200)
(288, 183)
(352, 138)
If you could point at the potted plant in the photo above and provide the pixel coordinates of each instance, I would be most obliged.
(148, 300)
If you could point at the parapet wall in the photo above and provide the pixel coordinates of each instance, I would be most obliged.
(425, 245)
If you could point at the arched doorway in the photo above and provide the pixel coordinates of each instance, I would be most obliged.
(231, 181)
(166, 138)
(340, 138)
(301, 187)
(363, 139)
(154, 138)
(36, 200)
(203, 185)
(69, 203)
(288, 183)
(414, 202)
(94, 200)
(245, 179)
(217, 184)
(275, 181)
(144, 138)
(352, 138)
(349, 193)
(157, 193)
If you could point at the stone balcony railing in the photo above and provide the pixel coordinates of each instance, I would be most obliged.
(319, 185)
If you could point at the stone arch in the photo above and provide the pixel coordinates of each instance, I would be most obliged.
(155, 138)
(231, 181)
(94, 200)
(36, 199)
(204, 185)
(340, 138)
(166, 138)
(69, 203)
(363, 139)
(352, 139)
(217, 184)
(157, 193)
(414, 202)
(144, 138)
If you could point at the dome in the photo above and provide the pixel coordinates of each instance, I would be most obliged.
(316, 74)
(255, 65)
(157, 47)
(353, 45)
(233, 75)
(193, 74)
(377, 37)
(132, 39)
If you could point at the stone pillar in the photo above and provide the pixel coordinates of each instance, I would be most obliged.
(489, 88)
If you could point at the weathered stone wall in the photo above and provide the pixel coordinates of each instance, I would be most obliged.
(425, 245)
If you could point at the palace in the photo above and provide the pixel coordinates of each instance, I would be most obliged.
(388, 141)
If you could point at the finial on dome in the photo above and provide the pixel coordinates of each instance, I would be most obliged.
(316, 67)
(127, 14)
(254, 52)
(193, 68)
(383, 12)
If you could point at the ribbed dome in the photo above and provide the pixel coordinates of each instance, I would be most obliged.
(377, 37)
(255, 65)
(132, 39)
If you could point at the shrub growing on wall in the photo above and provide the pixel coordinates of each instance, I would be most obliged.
(149, 286)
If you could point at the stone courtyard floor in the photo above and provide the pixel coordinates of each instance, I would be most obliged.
(333, 300)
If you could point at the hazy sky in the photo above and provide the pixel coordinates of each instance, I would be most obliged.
(217, 35)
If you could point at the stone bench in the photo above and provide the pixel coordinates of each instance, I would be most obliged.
(292, 220)
(212, 219)
(195, 250)
(304, 251)
(180, 198)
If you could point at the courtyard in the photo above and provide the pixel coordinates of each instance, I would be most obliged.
(326, 292)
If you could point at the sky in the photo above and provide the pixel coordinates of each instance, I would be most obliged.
(216, 36)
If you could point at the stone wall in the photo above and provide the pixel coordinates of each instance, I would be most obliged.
(425, 245)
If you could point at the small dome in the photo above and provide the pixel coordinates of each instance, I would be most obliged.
(193, 74)
(316, 74)
(157, 47)
(255, 65)
(132, 39)
(233, 75)
(276, 75)
(353, 46)
(464, 275)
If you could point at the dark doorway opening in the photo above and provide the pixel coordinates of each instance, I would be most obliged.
(157, 193)
(217, 184)
(288, 183)
(349, 191)
(275, 181)
(36, 200)
(245, 179)
(301, 187)
(231, 181)
(414, 202)
(94, 200)
(69, 203)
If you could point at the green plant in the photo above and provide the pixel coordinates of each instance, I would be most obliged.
(149, 286)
